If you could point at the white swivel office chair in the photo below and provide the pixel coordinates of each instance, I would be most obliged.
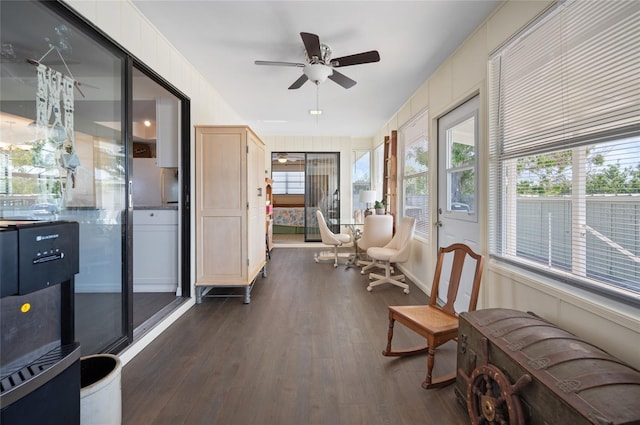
(376, 232)
(396, 251)
(330, 238)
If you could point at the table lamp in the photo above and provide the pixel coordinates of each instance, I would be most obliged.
(368, 197)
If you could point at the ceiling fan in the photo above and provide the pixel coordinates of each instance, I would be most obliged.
(319, 65)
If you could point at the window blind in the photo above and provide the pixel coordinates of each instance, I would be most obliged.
(415, 171)
(579, 67)
(564, 127)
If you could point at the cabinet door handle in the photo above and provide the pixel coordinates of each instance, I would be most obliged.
(151, 215)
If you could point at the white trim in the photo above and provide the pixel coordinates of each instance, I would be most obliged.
(137, 346)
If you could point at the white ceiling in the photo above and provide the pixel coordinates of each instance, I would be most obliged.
(222, 39)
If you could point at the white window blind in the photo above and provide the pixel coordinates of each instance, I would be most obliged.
(579, 68)
(288, 182)
(565, 147)
(415, 168)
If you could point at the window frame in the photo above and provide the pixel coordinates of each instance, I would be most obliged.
(503, 179)
(415, 131)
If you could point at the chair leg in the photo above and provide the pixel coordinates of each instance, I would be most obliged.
(389, 352)
(335, 256)
(368, 265)
(387, 278)
(439, 382)
(431, 358)
(389, 335)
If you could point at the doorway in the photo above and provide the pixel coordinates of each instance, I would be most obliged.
(458, 133)
(302, 183)
(155, 197)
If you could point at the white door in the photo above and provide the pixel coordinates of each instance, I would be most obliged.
(457, 219)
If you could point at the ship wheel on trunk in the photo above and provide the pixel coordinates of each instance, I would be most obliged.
(492, 400)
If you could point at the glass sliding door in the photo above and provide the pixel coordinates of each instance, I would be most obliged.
(322, 191)
(62, 152)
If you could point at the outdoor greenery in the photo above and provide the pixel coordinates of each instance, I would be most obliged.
(550, 174)
(416, 163)
(41, 156)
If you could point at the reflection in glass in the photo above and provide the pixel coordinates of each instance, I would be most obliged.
(62, 155)
(322, 191)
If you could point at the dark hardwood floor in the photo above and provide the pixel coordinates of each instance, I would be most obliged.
(93, 334)
(306, 350)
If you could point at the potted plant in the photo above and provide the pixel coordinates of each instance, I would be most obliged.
(380, 207)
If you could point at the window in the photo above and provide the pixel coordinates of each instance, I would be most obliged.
(378, 166)
(565, 147)
(288, 182)
(360, 177)
(63, 159)
(415, 166)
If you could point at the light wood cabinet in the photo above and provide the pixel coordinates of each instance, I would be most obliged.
(230, 208)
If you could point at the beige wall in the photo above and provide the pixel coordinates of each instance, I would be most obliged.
(613, 326)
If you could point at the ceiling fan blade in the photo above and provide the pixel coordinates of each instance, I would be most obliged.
(357, 59)
(299, 82)
(274, 63)
(311, 44)
(342, 79)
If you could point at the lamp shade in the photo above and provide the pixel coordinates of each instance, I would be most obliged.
(367, 196)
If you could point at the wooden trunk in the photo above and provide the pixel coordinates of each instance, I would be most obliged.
(517, 368)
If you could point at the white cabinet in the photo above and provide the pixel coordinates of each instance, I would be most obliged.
(155, 250)
(229, 208)
(167, 132)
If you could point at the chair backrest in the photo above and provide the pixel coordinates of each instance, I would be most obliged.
(327, 236)
(401, 242)
(460, 254)
(377, 231)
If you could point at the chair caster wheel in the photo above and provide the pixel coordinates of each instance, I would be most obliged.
(406, 291)
(362, 272)
(335, 265)
(369, 288)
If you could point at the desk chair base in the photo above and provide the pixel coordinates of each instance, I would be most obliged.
(370, 265)
(330, 255)
(387, 278)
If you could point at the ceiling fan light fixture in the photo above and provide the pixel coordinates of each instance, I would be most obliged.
(315, 111)
(282, 158)
(317, 72)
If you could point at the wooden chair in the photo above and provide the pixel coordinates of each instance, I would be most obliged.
(438, 324)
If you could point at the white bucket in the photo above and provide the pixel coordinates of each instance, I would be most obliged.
(101, 390)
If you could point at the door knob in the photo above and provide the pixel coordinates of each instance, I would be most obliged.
(439, 223)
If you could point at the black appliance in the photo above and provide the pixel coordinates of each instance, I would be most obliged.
(39, 357)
